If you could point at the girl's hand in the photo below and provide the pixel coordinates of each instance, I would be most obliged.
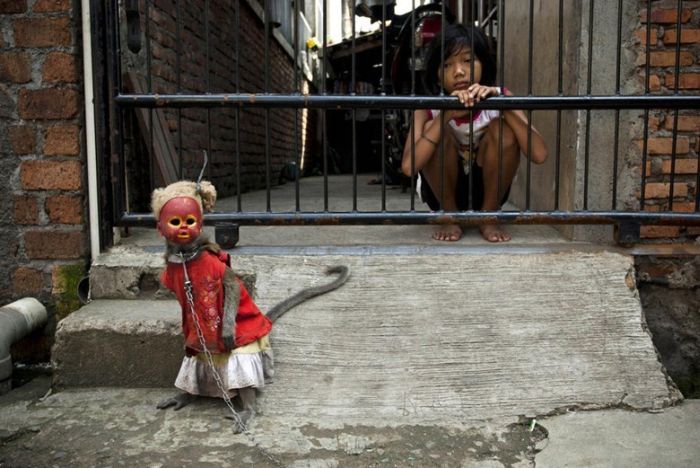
(475, 93)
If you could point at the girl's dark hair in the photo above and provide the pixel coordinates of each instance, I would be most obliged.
(458, 36)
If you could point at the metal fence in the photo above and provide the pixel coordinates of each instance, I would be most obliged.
(492, 15)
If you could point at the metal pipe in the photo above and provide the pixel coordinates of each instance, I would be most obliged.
(90, 143)
(17, 320)
(336, 101)
(292, 218)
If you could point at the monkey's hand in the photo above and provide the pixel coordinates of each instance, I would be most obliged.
(232, 297)
(178, 401)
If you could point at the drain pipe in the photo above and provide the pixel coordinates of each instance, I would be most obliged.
(16, 320)
(90, 144)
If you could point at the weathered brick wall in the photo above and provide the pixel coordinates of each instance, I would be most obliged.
(197, 129)
(43, 239)
(664, 38)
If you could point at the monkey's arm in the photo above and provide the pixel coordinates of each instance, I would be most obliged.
(232, 296)
(305, 294)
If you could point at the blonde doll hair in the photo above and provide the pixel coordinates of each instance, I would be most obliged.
(205, 196)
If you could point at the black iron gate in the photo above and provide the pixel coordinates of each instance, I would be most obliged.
(154, 32)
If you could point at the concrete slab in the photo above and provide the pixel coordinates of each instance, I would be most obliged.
(415, 339)
(622, 439)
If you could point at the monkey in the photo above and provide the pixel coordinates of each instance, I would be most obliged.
(219, 318)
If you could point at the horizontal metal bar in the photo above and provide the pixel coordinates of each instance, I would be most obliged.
(406, 218)
(406, 102)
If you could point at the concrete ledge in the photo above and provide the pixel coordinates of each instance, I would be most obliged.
(119, 343)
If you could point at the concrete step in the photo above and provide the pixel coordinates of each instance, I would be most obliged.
(410, 338)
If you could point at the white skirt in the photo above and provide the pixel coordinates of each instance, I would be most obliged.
(248, 366)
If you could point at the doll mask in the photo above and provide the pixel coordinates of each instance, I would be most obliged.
(180, 220)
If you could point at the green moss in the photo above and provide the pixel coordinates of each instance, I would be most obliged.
(65, 287)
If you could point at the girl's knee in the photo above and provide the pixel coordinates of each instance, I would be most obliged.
(502, 134)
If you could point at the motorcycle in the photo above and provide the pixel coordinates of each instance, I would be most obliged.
(408, 37)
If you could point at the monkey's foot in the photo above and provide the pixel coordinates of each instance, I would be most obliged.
(178, 401)
(241, 422)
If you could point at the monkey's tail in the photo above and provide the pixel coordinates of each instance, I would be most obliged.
(305, 294)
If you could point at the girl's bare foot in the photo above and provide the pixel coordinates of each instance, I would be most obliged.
(449, 233)
(494, 233)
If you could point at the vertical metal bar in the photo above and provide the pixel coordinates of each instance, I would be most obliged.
(413, 93)
(645, 140)
(676, 83)
(297, 88)
(237, 127)
(589, 76)
(208, 73)
(323, 111)
(353, 91)
(530, 40)
(382, 92)
(118, 125)
(473, 25)
(149, 84)
(178, 73)
(268, 157)
(501, 65)
(560, 92)
(616, 143)
(442, 112)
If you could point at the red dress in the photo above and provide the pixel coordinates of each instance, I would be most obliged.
(206, 273)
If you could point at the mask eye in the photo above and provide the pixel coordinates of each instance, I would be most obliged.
(191, 220)
(174, 222)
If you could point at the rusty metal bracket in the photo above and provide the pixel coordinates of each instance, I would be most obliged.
(226, 234)
(627, 232)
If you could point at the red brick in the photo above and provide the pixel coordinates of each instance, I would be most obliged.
(683, 166)
(651, 232)
(54, 244)
(13, 6)
(667, 58)
(15, 67)
(685, 81)
(49, 104)
(667, 15)
(686, 123)
(62, 140)
(663, 189)
(27, 280)
(63, 209)
(26, 210)
(688, 36)
(22, 139)
(51, 175)
(684, 207)
(664, 145)
(60, 67)
(42, 32)
(641, 34)
(654, 82)
(50, 6)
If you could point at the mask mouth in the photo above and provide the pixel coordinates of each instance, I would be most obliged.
(183, 235)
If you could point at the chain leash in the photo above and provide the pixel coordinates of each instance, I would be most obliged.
(219, 383)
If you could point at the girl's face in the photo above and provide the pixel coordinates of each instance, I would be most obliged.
(457, 70)
(180, 220)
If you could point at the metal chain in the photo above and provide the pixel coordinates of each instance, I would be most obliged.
(224, 392)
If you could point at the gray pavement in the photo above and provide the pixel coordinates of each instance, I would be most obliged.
(120, 427)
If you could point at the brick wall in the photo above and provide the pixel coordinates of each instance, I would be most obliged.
(664, 38)
(41, 156)
(196, 129)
